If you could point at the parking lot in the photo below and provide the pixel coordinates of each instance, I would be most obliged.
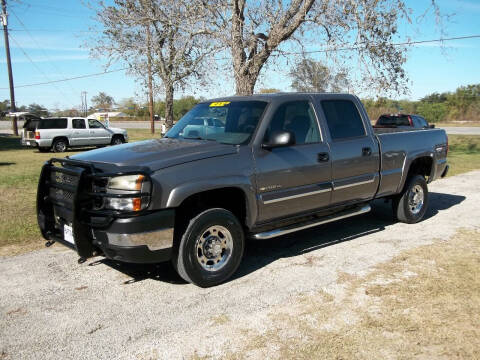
(52, 307)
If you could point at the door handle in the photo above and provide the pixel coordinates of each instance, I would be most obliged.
(366, 151)
(323, 156)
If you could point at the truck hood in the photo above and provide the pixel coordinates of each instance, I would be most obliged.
(157, 154)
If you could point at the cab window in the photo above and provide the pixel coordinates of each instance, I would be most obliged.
(95, 124)
(297, 117)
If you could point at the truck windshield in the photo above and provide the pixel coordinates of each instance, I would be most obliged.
(229, 122)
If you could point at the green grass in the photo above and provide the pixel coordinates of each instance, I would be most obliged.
(20, 169)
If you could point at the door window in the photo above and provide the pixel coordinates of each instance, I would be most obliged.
(95, 124)
(78, 124)
(343, 119)
(297, 117)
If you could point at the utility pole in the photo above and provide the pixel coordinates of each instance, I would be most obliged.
(150, 81)
(84, 103)
(9, 66)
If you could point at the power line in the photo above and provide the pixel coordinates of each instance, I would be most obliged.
(406, 43)
(35, 65)
(71, 78)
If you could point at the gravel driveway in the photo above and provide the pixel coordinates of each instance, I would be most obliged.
(52, 308)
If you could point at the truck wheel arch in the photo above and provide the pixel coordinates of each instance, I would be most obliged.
(420, 165)
(230, 197)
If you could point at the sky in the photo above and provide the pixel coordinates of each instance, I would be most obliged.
(49, 41)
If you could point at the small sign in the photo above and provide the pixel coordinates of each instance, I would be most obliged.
(68, 234)
(219, 104)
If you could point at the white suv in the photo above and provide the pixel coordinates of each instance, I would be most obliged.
(60, 133)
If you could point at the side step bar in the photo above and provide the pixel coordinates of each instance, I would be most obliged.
(312, 223)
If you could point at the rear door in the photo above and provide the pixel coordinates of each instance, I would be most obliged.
(80, 134)
(296, 178)
(354, 151)
(99, 135)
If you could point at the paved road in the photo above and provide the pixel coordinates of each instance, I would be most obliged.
(53, 308)
(146, 125)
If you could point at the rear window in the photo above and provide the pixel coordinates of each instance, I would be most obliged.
(60, 123)
(389, 120)
(343, 119)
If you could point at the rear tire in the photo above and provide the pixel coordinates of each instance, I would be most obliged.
(411, 205)
(210, 249)
(60, 145)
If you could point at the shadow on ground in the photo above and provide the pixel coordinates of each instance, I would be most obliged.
(261, 253)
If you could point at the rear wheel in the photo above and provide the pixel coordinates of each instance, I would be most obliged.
(117, 140)
(211, 248)
(410, 206)
(60, 145)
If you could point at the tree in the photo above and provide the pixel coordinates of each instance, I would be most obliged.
(313, 76)
(178, 46)
(257, 31)
(102, 101)
(37, 110)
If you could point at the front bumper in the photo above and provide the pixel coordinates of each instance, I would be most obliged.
(141, 239)
(66, 214)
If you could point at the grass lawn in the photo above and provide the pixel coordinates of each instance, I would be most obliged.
(20, 168)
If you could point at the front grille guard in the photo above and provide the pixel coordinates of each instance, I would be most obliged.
(67, 190)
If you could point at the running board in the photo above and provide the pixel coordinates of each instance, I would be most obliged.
(312, 223)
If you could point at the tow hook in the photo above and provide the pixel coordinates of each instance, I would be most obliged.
(49, 243)
(81, 260)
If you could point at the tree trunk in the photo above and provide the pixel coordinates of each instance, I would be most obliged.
(168, 105)
(245, 84)
(150, 82)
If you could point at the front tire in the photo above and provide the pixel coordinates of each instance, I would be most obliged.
(118, 140)
(211, 248)
(411, 205)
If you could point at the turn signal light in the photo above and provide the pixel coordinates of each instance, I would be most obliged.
(37, 135)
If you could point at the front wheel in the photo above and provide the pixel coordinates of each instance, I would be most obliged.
(211, 248)
(117, 140)
(410, 206)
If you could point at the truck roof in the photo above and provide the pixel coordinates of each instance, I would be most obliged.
(274, 96)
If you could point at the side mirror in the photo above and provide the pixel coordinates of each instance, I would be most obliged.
(432, 126)
(280, 139)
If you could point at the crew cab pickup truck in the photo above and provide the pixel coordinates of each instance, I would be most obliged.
(60, 133)
(283, 163)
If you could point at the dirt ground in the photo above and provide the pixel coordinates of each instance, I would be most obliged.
(365, 287)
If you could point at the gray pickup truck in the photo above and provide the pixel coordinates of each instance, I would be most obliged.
(282, 163)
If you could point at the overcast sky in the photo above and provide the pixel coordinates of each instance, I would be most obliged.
(48, 40)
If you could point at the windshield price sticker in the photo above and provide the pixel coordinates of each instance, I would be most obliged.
(219, 104)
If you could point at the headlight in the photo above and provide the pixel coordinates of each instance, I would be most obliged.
(132, 193)
(126, 182)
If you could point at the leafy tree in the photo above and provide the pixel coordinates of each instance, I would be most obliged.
(103, 101)
(313, 76)
(37, 110)
(5, 106)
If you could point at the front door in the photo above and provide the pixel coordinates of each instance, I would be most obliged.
(99, 135)
(354, 153)
(296, 178)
